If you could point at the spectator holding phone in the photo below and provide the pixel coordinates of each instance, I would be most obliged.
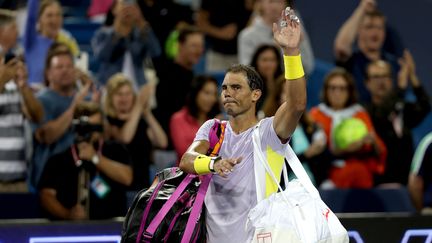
(17, 104)
(123, 46)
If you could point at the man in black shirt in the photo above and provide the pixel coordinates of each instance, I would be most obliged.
(175, 77)
(393, 116)
(89, 179)
(222, 21)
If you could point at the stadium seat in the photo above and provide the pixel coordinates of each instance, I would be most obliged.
(81, 28)
(316, 80)
(19, 206)
(373, 200)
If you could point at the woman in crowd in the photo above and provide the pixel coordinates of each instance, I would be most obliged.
(131, 122)
(201, 104)
(268, 63)
(43, 28)
(355, 161)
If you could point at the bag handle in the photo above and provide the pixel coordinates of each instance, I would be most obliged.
(196, 209)
(151, 229)
(300, 172)
(293, 162)
(147, 210)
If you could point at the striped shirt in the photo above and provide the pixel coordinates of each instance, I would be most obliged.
(12, 142)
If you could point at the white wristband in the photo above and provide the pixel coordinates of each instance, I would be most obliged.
(212, 161)
(95, 159)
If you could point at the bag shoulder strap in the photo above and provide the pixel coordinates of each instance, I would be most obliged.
(154, 224)
(293, 162)
(216, 137)
(196, 209)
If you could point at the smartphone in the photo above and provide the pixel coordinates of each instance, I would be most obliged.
(9, 57)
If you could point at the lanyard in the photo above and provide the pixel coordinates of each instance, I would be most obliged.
(78, 161)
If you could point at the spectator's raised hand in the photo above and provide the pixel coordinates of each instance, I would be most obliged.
(84, 87)
(124, 20)
(82, 93)
(404, 72)
(9, 70)
(287, 33)
(144, 96)
(367, 5)
(229, 31)
(83, 77)
(86, 80)
(21, 75)
(86, 151)
(96, 94)
(409, 60)
(137, 16)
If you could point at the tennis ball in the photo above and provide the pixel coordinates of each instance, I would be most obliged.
(348, 131)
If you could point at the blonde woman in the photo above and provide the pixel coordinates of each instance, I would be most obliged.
(43, 28)
(130, 121)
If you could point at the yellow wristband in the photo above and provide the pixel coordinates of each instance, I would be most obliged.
(293, 67)
(202, 164)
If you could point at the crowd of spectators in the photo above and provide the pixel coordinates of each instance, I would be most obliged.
(81, 139)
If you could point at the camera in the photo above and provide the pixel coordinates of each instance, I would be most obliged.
(84, 130)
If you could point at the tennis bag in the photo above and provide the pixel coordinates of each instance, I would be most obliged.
(171, 209)
(296, 214)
